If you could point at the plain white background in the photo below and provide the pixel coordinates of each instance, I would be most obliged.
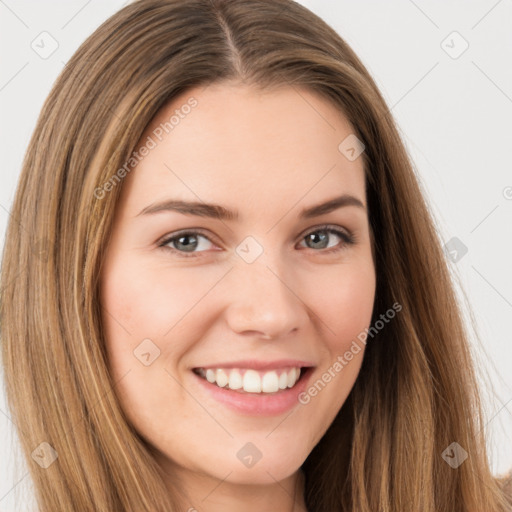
(451, 95)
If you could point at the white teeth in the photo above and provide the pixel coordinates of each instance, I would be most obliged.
(252, 381)
(235, 380)
(269, 383)
(291, 378)
(221, 377)
(283, 380)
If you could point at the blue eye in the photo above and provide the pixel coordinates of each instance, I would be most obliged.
(325, 231)
(188, 243)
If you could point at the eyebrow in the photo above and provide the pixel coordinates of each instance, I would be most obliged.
(218, 212)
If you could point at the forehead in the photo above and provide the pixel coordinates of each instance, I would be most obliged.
(245, 148)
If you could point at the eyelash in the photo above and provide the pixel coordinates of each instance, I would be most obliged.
(348, 240)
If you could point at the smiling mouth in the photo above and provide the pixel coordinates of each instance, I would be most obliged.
(244, 380)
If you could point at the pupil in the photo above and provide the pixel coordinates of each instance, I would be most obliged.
(188, 247)
(323, 237)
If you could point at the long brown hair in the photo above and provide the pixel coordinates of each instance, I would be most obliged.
(417, 389)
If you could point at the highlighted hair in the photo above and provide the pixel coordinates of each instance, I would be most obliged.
(417, 389)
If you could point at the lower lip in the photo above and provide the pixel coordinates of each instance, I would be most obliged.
(258, 404)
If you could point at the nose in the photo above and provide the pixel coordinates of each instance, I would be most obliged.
(264, 300)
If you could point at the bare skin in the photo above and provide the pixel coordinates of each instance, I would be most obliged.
(268, 156)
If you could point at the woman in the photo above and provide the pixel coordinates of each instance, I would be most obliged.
(255, 366)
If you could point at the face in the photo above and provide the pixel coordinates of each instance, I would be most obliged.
(192, 294)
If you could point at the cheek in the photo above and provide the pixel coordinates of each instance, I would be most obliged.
(144, 307)
(147, 301)
(343, 302)
(343, 307)
(139, 306)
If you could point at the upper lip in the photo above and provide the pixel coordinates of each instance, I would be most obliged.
(260, 365)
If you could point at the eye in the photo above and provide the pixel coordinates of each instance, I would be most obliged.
(188, 243)
(185, 242)
(320, 237)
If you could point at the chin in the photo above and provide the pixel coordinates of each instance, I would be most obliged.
(260, 474)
